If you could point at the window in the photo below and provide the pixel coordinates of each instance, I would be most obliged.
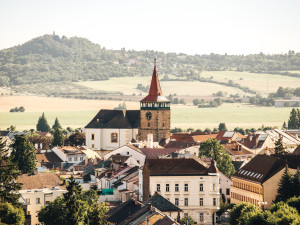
(69, 159)
(176, 201)
(163, 124)
(114, 138)
(81, 158)
(75, 158)
(167, 187)
(38, 201)
(214, 187)
(201, 201)
(158, 187)
(227, 191)
(176, 187)
(201, 217)
(201, 187)
(127, 153)
(27, 200)
(93, 136)
(148, 124)
(93, 146)
(186, 202)
(220, 190)
(186, 187)
(214, 201)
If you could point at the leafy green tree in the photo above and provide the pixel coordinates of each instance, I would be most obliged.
(222, 127)
(196, 101)
(77, 138)
(285, 214)
(56, 124)
(97, 214)
(58, 139)
(285, 186)
(213, 149)
(262, 218)
(279, 149)
(187, 220)
(54, 213)
(21, 109)
(236, 212)
(293, 122)
(8, 174)
(296, 184)
(23, 153)
(248, 212)
(42, 124)
(10, 214)
(294, 202)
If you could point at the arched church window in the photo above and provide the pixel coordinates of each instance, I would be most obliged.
(114, 137)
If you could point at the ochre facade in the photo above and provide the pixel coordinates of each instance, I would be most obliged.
(158, 125)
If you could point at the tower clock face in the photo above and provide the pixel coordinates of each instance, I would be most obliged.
(148, 115)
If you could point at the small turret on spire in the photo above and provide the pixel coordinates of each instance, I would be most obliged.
(154, 62)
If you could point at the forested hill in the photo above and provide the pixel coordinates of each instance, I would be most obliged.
(51, 58)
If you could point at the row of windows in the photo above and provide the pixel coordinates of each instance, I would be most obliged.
(247, 187)
(186, 187)
(70, 159)
(37, 201)
(244, 198)
(155, 104)
(162, 124)
(201, 201)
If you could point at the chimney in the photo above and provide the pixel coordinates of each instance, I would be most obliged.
(250, 137)
(86, 160)
(149, 140)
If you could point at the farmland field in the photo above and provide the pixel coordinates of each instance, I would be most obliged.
(261, 83)
(77, 113)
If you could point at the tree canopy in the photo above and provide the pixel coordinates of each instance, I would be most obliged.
(23, 153)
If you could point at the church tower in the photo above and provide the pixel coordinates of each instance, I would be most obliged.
(154, 112)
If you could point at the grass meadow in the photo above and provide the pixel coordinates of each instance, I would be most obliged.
(77, 113)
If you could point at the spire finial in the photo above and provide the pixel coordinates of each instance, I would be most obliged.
(154, 62)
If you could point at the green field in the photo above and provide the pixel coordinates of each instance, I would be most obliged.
(261, 83)
(234, 115)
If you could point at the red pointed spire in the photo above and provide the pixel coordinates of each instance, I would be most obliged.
(155, 89)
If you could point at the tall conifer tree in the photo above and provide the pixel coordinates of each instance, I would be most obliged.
(296, 184)
(56, 124)
(42, 124)
(8, 174)
(279, 149)
(284, 186)
(23, 154)
(293, 122)
(58, 139)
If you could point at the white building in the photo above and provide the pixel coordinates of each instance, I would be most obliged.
(111, 129)
(225, 183)
(187, 184)
(128, 150)
(38, 191)
(69, 154)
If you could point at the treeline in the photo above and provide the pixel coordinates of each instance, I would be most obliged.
(51, 58)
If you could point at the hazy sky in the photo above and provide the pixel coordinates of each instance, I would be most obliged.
(193, 27)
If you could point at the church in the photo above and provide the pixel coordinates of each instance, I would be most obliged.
(111, 129)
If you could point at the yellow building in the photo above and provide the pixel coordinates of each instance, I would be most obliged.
(38, 191)
(257, 182)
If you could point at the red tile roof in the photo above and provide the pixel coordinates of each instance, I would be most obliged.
(235, 148)
(39, 181)
(297, 151)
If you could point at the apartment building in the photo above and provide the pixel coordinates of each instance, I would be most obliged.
(186, 183)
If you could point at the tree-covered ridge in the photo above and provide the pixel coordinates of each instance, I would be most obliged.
(51, 58)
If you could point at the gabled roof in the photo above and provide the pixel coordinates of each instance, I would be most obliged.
(235, 148)
(175, 167)
(263, 167)
(255, 140)
(297, 151)
(237, 164)
(154, 153)
(161, 203)
(165, 221)
(106, 118)
(50, 157)
(155, 93)
(39, 181)
(123, 211)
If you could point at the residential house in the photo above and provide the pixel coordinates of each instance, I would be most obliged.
(257, 181)
(38, 191)
(49, 160)
(225, 184)
(69, 155)
(186, 183)
(258, 143)
(290, 142)
(237, 151)
(229, 136)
